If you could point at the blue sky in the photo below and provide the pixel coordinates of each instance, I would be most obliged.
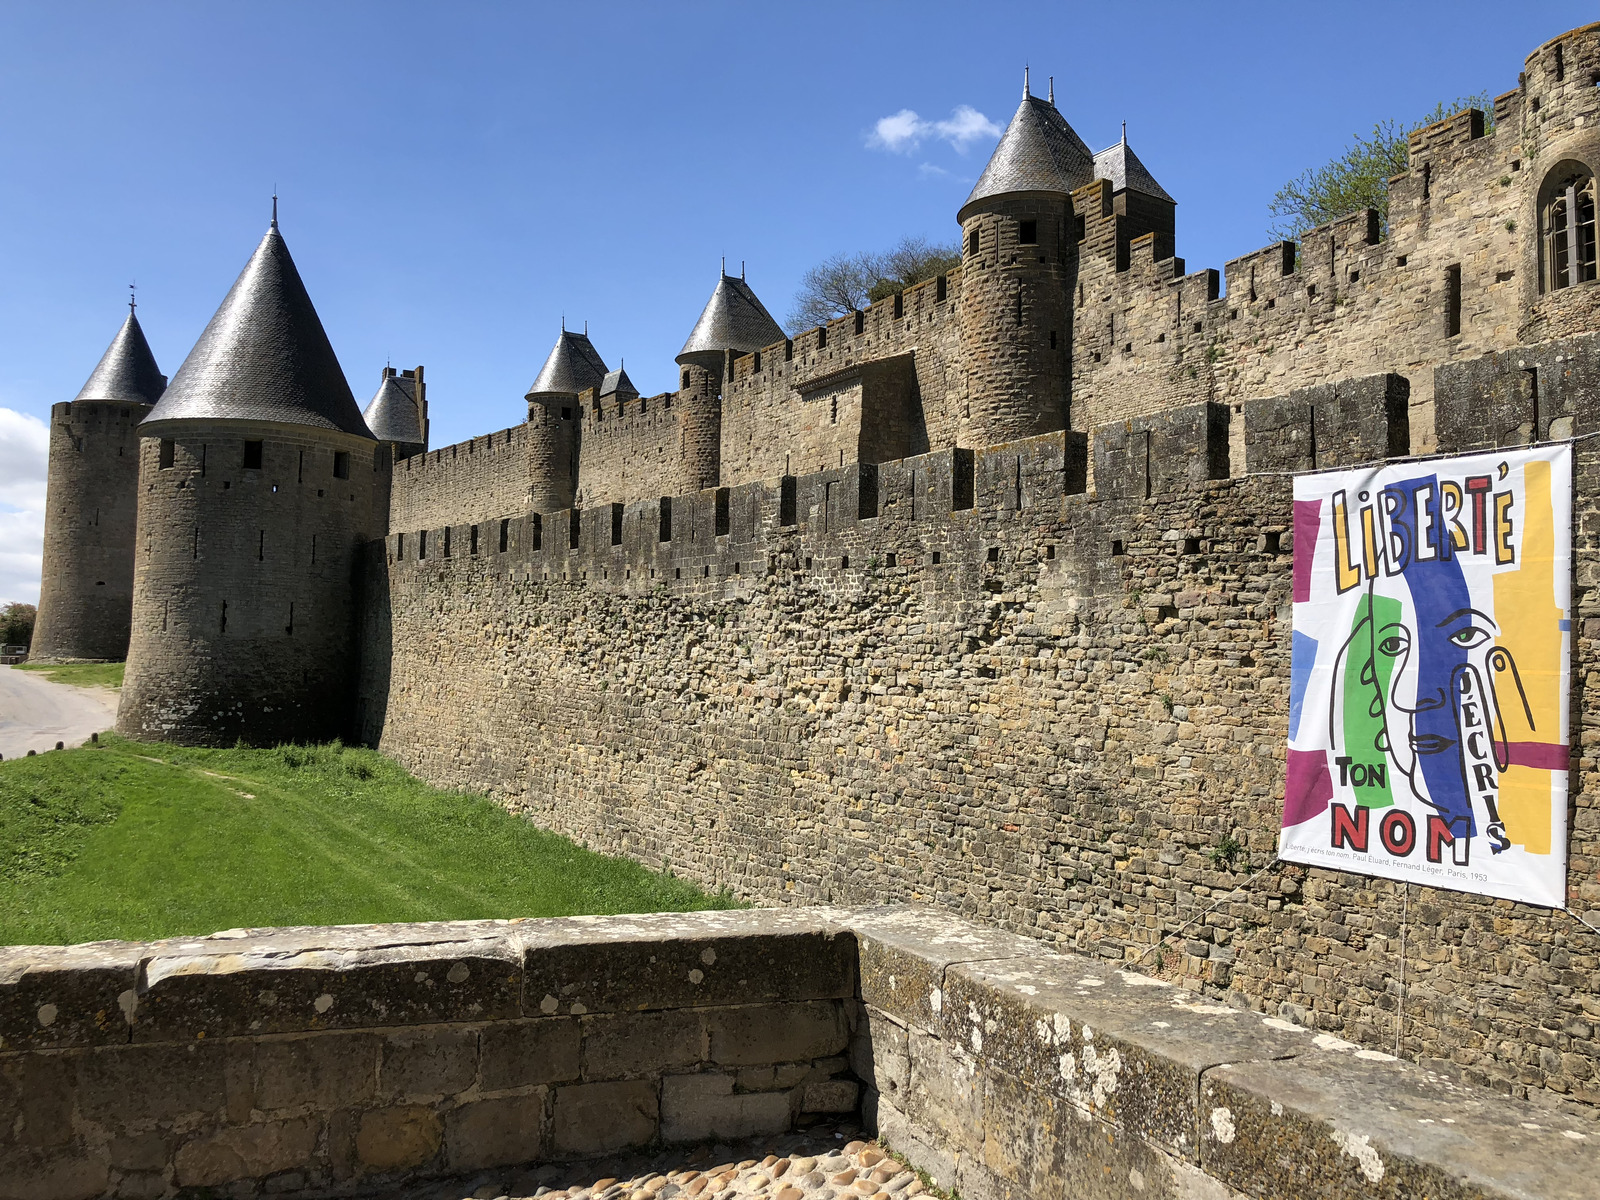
(455, 177)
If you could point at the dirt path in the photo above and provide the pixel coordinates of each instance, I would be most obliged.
(35, 713)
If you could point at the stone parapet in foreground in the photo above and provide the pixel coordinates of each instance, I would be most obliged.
(352, 1059)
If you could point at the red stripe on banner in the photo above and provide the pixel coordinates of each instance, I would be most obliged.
(1543, 756)
(1307, 521)
(1307, 785)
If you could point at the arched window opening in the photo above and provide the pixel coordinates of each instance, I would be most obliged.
(1567, 227)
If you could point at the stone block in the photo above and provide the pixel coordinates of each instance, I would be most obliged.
(325, 1070)
(1331, 1123)
(429, 1062)
(831, 1096)
(139, 1152)
(625, 1045)
(1123, 1046)
(36, 1094)
(246, 1153)
(398, 1138)
(514, 1054)
(495, 1133)
(290, 980)
(905, 951)
(945, 1095)
(694, 1107)
(52, 997)
(578, 965)
(774, 1033)
(600, 1118)
(880, 1054)
(121, 1086)
(52, 1175)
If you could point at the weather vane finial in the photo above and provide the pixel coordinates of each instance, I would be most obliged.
(133, 299)
(1052, 90)
(1026, 90)
(274, 206)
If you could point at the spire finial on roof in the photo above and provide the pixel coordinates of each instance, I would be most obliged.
(1026, 90)
(274, 206)
(563, 322)
(1124, 133)
(741, 268)
(1052, 91)
(586, 327)
(133, 299)
(724, 264)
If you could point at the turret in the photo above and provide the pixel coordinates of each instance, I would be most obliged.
(258, 484)
(1140, 204)
(1019, 266)
(734, 322)
(573, 366)
(91, 505)
(398, 412)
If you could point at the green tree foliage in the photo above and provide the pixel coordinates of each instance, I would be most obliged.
(16, 624)
(1359, 178)
(847, 282)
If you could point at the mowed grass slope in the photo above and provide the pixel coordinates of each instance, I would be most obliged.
(79, 674)
(138, 841)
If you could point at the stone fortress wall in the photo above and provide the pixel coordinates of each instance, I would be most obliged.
(976, 679)
(363, 1060)
(1455, 275)
(1043, 681)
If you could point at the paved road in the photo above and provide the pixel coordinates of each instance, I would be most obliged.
(35, 713)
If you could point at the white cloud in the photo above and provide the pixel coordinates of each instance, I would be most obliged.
(904, 131)
(24, 457)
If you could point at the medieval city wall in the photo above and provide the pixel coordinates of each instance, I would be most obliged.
(965, 678)
(477, 478)
(634, 446)
(779, 415)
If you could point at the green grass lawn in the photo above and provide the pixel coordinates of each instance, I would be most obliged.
(79, 674)
(131, 840)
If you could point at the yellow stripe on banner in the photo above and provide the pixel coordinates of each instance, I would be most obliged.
(1530, 628)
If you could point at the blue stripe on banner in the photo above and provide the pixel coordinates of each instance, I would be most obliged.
(1304, 657)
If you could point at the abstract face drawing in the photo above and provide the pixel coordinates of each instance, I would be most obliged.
(1426, 679)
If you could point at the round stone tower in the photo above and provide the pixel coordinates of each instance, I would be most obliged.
(1019, 266)
(258, 484)
(1553, 116)
(554, 424)
(86, 592)
(733, 322)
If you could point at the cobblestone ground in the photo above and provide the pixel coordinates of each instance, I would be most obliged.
(832, 1162)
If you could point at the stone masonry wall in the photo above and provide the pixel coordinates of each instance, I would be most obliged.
(361, 1060)
(479, 478)
(961, 678)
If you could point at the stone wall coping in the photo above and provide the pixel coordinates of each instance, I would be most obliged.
(1255, 1101)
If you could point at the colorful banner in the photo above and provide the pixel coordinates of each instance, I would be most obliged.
(1429, 673)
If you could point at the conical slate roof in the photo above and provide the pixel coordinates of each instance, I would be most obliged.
(574, 366)
(127, 369)
(394, 414)
(1039, 152)
(618, 383)
(1122, 167)
(264, 356)
(733, 319)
